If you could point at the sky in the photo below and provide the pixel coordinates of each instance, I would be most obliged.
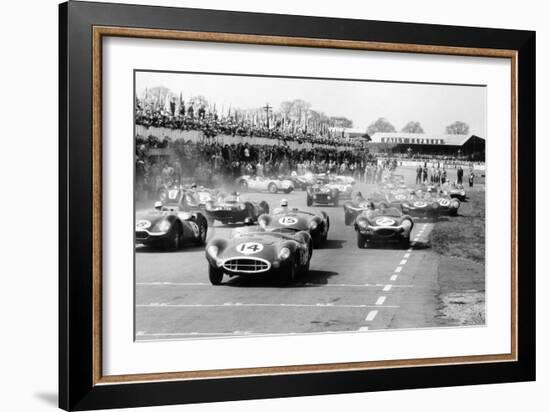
(434, 106)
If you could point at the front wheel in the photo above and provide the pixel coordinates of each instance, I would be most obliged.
(175, 239)
(286, 277)
(287, 190)
(361, 241)
(215, 275)
(405, 242)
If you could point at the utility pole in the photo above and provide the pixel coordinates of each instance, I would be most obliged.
(267, 109)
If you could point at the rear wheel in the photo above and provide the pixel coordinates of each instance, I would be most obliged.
(361, 241)
(215, 275)
(272, 188)
(405, 242)
(317, 241)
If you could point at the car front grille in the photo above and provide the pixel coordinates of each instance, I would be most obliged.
(385, 232)
(141, 235)
(246, 265)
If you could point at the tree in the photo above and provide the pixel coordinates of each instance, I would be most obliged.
(340, 121)
(412, 127)
(381, 125)
(457, 127)
(199, 101)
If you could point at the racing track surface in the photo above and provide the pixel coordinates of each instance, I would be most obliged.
(347, 289)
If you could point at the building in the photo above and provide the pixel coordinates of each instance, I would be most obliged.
(470, 146)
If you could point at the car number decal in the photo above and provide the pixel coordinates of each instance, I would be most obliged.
(288, 220)
(195, 228)
(172, 194)
(143, 224)
(249, 248)
(444, 202)
(385, 221)
(420, 204)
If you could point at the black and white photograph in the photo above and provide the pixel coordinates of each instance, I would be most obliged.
(278, 205)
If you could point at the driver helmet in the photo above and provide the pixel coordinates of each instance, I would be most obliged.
(158, 205)
(193, 185)
(284, 203)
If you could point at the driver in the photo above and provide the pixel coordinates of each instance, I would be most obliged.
(283, 207)
(158, 205)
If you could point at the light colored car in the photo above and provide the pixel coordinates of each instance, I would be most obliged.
(261, 184)
(344, 185)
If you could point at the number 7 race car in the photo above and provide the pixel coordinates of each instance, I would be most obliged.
(383, 225)
(170, 227)
(255, 252)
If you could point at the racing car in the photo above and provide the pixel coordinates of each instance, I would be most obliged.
(383, 225)
(344, 185)
(170, 227)
(295, 220)
(261, 183)
(232, 209)
(301, 181)
(454, 190)
(359, 204)
(448, 206)
(322, 193)
(256, 252)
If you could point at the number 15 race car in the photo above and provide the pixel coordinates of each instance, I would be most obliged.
(169, 227)
(255, 252)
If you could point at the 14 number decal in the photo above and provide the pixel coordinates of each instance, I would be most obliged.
(249, 248)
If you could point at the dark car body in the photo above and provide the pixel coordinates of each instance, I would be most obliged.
(232, 209)
(170, 227)
(358, 205)
(294, 220)
(383, 225)
(448, 206)
(322, 193)
(254, 252)
(455, 191)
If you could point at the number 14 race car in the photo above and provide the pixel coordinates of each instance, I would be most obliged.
(253, 252)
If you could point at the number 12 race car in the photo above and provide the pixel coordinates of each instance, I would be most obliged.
(255, 252)
(232, 209)
(169, 227)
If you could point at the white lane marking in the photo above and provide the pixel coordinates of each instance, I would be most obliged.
(398, 269)
(280, 305)
(326, 285)
(363, 328)
(380, 300)
(410, 249)
(393, 278)
(407, 255)
(372, 314)
(387, 288)
(403, 262)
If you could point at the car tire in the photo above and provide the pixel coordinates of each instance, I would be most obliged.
(309, 201)
(175, 238)
(215, 275)
(324, 236)
(286, 277)
(406, 242)
(287, 191)
(361, 241)
(203, 232)
(348, 218)
(316, 241)
(272, 188)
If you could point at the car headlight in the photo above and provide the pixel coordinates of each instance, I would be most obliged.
(313, 225)
(262, 223)
(284, 253)
(362, 223)
(242, 206)
(328, 197)
(212, 251)
(164, 226)
(208, 206)
(455, 205)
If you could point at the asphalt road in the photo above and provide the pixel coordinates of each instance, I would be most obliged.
(347, 289)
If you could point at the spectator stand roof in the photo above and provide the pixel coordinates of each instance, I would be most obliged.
(457, 140)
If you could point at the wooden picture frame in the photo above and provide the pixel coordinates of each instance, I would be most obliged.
(82, 28)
